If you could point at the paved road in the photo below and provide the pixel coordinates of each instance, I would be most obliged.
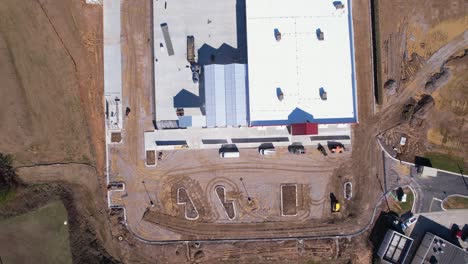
(432, 190)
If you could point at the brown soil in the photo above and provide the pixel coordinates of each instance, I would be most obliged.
(456, 202)
(422, 47)
(412, 31)
(289, 195)
(190, 210)
(52, 110)
(228, 206)
(220, 193)
(183, 197)
(116, 137)
(150, 157)
(434, 119)
(44, 109)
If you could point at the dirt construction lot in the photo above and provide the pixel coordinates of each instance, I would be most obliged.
(199, 172)
(53, 114)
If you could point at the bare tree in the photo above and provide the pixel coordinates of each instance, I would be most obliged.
(8, 177)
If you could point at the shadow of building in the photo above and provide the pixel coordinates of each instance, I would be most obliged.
(186, 99)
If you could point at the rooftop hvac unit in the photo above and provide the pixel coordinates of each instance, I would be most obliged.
(338, 5)
(320, 35)
(323, 94)
(279, 94)
(277, 34)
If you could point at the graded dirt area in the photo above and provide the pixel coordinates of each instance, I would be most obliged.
(51, 67)
(51, 57)
(203, 170)
(423, 56)
(412, 31)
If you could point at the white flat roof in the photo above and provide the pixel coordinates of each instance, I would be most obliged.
(112, 56)
(299, 64)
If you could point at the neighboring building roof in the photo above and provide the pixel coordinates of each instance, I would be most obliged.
(434, 249)
(304, 129)
(225, 95)
(299, 65)
(394, 248)
(112, 57)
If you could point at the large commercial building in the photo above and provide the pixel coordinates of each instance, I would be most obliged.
(284, 69)
(300, 70)
(434, 249)
(300, 62)
(394, 248)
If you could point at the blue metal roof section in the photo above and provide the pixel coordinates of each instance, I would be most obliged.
(185, 121)
(225, 95)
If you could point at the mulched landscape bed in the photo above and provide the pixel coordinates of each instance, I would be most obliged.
(289, 194)
(228, 206)
(150, 157)
(116, 137)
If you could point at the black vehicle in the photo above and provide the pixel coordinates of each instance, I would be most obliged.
(296, 149)
(321, 149)
(195, 77)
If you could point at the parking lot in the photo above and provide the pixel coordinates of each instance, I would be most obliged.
(213, 24)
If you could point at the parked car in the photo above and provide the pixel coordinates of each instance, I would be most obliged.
(296, 149)
(195, 77)
(456, 231)
(409, 222)
(267, 151)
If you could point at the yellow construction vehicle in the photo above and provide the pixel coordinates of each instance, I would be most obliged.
(336, 206)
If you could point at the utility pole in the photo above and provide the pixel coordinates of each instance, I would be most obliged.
(461, 173)
(383, 191)
(249, 199)
(147, 193)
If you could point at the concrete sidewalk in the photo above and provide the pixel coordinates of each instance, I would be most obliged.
(195, 136)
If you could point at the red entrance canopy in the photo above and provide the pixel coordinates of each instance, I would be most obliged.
(304, 129)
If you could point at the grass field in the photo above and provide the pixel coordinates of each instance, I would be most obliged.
(400, 207)
(36, 237)
(6, 194)
(456, 202)
(445, 162)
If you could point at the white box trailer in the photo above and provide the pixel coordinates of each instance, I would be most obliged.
(230, 154)
(429, 172)
(267, 152)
